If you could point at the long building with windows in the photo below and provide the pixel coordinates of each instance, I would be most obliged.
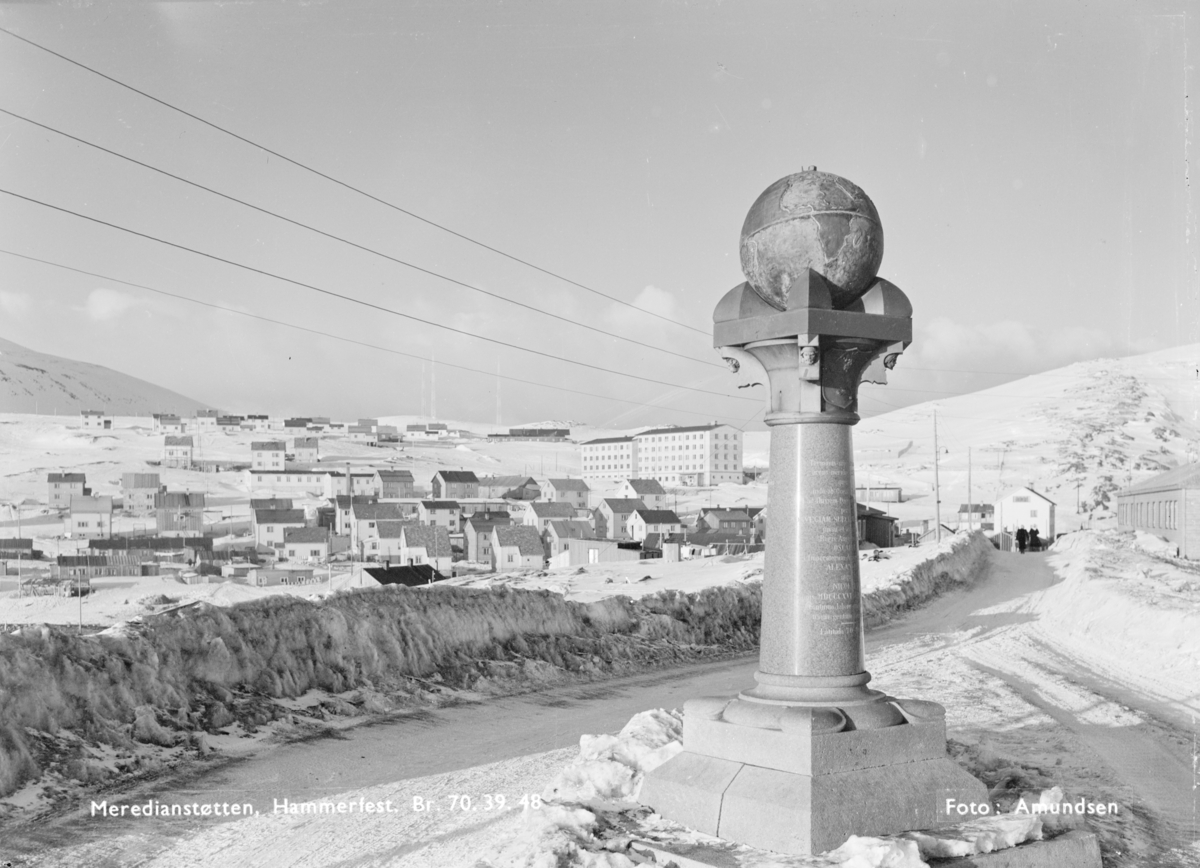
(1166, 505)
(685, 455)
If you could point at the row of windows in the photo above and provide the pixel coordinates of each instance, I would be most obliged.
(1162, 514)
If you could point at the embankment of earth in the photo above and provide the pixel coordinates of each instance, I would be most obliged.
(169, 679)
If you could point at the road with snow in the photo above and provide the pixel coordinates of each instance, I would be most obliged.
(1013, 690)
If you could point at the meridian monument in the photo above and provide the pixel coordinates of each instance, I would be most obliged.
(810, 755)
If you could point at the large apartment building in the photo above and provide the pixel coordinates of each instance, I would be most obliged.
(691, 455)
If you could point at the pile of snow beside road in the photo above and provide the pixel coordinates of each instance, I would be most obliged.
(1142, 612)
(590, 817)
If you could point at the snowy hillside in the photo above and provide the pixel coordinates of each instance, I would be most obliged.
(1083, 431)
(33, 382)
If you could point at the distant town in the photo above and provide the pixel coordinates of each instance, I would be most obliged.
(306, 510)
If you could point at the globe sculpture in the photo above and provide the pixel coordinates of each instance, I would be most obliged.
(811, 220)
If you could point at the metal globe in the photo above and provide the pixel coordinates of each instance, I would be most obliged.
(811, 220)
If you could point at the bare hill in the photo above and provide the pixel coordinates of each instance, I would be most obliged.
(33, 382)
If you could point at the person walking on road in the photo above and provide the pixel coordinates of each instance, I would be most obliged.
(1035, 543)
(1022, 538)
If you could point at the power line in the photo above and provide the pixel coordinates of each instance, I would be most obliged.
(354, 244)
(350, 187)
(213, 305)
(359, 301)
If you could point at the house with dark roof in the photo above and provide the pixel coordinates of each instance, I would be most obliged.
(306, 544)
(572, 491)
(649, 491)
(540, 514)
(516, 547)
(410, 577)
(613, 513)
(445, 513)
(270, 524)
(657, 521)
(394, 484)
(61, 487)
(724, 519)
(477, 531)
(976, 516)
(876, 527)
(257, 503)
(453, 484)
(510, 487)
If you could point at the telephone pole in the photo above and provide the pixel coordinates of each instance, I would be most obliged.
(970, 504)
(937, 489)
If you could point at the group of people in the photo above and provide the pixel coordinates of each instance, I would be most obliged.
(1028, 539)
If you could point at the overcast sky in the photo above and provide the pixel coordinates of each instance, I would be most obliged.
(1028, 160)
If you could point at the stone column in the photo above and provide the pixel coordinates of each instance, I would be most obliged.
(810, 755)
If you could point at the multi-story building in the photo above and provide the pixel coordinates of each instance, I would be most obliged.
(477, 530)
(179, 513)
(572, 491)
(609, 458)
(454, 484)
(271, 525)
(95, 419)
(63, 486)
(306, 450)
(443, 513)
(306, 544)
(267, 454)
(138, 490)
(90, 516)
(177, 450)
(647, 521)
(394, 484)
(205, 420)
(686, 455)
(1028, 509)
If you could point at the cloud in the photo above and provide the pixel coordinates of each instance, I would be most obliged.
(1006, 345)
(107, 304)
(14, 303)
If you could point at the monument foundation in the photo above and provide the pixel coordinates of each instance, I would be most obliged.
(810, 755)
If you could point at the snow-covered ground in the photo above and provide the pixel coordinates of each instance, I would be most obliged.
(1087, 712)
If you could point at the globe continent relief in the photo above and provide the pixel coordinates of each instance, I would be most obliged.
(811, 220)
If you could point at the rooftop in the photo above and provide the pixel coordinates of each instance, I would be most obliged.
(568, 484)
(435, 540)
(306, 535)
(645, 486)
(279, 516)
(457, 476)
(527, 540)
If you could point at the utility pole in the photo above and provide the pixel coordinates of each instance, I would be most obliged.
(937, 489)
(970, 503)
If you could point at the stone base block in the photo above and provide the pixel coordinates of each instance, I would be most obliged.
(1073, 850)
(805, 814)
(1077, 849)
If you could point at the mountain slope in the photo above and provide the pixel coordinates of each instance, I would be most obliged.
(33, 382)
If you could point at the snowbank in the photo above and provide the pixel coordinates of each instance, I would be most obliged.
(957, 561)
(205, 668)
(590, 816)
(1142, 618)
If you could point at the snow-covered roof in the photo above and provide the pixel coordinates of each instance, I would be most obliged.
(1187, 476)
